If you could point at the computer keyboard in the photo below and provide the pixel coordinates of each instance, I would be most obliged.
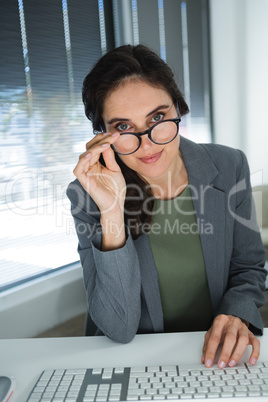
(151, 383)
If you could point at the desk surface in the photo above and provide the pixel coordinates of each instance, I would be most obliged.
(25, 359)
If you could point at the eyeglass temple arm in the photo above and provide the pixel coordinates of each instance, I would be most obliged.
(178, 110)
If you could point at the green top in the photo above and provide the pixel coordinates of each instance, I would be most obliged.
(175, 242)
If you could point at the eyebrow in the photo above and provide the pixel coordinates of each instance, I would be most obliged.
(115, 119)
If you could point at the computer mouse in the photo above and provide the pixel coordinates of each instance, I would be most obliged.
(6, 388)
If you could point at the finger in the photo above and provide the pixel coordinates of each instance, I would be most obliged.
(96, 139)
(213, 342)
(101, 138)
(83, 164)
(256, 347)
(234, 345)
(240, 347)
(93, 154)
(207, 335)
(89, 158)
(109, 159)
(96, 149)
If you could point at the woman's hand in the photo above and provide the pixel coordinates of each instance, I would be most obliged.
(234, 336)
(106, 185)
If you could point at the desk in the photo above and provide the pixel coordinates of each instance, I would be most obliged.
(25, 359)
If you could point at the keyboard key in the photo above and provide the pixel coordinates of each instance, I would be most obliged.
(225, 394)
(169, 368)
(202, 390)
(176, 391)
(240, 394)
(254, 393)
(92, 387)
(145, 385)
(170, 385)
(153, 369)
(195, 372)
(136, 392)
(207, 383)
(76, 371)
(137, 369)
(183, 373)
(157, 385)
(215, 389)
(116, 386)
(166, 379)
(254, 370)
(119, 370)
(207, 372)
(254, 388)
(194, 384)
(228, 389)
(151, 391)
(230, 370)
(257, 381)
(97, 371)
(163, 391)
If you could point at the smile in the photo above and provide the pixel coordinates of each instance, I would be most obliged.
(151, 158)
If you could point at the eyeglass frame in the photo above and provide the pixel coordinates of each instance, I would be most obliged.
(176, 120)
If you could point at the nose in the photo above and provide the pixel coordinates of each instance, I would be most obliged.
(146, 143)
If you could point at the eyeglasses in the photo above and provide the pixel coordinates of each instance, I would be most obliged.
(160, 133)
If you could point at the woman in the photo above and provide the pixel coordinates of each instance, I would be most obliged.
(166, 238)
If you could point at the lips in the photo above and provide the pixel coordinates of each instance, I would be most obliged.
(151, 158)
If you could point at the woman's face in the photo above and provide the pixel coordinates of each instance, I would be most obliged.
(137, 106)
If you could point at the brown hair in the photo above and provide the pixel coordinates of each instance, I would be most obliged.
(110, 71)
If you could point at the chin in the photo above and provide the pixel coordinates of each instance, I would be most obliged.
(152, 172)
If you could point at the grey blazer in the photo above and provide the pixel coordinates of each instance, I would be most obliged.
(122, 285)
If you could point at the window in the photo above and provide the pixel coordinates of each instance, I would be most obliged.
(179, 32)
(47, 48)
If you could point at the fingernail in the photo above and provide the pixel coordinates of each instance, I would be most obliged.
(104, 134)
(232, 363)
(105, 145)
(222, 364)
(113, 135)
(88, 155)
(208, 362)
(253, 361)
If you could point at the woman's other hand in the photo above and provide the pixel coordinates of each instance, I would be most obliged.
(234, 336)
(106, 185)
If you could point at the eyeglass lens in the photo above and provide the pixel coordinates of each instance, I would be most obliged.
(161, 133)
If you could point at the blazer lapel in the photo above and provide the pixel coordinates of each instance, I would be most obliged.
(209, 203)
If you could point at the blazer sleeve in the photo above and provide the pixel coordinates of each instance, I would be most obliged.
(112, 278)
(246, 281)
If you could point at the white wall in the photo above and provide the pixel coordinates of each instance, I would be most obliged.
(34, 307)
(239, 38)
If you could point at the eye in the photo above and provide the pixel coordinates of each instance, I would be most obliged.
(122, 127)
(158, 117)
